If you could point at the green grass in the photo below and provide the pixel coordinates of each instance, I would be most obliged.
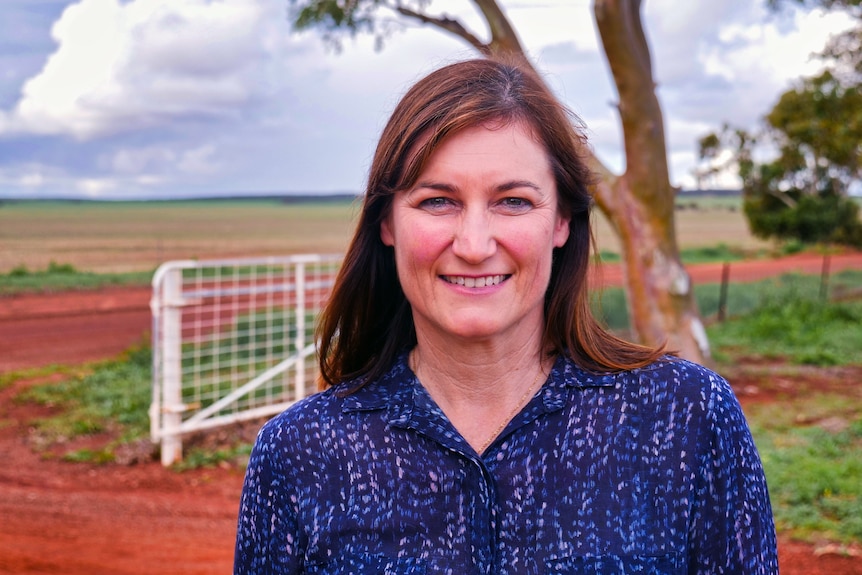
(813, 468)
(742, 298)
(713, 254)
(695, 255)
(113, 397)
(197, 457)
(110, 399)
(801, 329)
(61, 277)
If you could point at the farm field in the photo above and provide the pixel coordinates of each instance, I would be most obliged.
(138, 236)
(138, 518)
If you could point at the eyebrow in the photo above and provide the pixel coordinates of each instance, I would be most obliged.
(504, 187)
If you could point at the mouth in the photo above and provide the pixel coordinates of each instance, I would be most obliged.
(475, 282)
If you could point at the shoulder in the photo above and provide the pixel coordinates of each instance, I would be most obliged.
(670, 386)
(680, 377)
(688, 387)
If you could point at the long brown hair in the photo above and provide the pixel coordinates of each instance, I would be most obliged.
(367, 321)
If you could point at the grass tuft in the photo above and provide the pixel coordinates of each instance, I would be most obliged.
(814, 470)
(112, 396)
(62, 277)
(800, 329)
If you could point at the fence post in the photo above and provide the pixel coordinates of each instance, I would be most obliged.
(824, 277)
(722, 295)
(172, 369)
(299, 385)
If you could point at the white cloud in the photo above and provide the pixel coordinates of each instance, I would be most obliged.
(31, 180)
(199, 160)
(125, 66)
(137, 160)
(198, 96)
(96, 187)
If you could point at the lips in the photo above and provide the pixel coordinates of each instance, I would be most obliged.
(475, 282)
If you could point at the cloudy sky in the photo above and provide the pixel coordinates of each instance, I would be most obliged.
(176, 98)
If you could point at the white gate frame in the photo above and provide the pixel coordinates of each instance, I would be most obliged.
(170, 416)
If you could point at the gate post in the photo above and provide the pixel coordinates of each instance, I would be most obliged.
(172, 369)
(299, 381)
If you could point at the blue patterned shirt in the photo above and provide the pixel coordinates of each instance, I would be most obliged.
(647, 471)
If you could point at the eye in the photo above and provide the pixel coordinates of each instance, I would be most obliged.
(437, 203)
(515, 204)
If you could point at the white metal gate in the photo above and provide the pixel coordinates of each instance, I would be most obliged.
(232, 340)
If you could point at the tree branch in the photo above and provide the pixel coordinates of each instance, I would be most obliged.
(447, 25)
(504, 39)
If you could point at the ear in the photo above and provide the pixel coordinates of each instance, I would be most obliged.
(386, 235)
(561, 230)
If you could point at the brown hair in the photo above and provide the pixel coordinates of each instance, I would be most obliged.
(367, 321)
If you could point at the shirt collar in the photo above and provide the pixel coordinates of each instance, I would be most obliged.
(397, 389)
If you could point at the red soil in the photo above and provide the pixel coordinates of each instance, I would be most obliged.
(78, 519)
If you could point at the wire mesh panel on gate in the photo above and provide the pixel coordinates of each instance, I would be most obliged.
(233, 340)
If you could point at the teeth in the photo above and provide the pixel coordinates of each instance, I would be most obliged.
(475, 282)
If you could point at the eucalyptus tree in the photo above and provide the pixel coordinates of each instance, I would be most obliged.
(799, 168)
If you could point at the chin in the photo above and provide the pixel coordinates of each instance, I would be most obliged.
(476, 329)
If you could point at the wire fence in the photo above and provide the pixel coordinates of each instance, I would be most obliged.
(733, 296)
(233, 340)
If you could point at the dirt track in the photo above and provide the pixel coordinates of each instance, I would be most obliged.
(80, 519)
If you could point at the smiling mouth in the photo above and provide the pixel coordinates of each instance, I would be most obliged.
(475, 282)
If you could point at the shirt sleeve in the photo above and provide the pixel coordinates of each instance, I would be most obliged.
(267, 529)
(732, 529)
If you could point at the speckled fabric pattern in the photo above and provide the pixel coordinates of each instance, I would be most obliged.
(649, 471)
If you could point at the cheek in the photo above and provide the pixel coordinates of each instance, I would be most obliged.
(532, 253)
(418, 246)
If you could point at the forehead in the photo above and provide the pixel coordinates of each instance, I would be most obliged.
(504, 143)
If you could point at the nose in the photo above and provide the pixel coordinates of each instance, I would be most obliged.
(474, 240)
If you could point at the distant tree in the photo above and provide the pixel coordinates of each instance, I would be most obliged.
(639, 204)
(815, 132)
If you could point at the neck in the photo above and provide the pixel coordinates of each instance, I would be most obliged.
(480, 387)
(483, 369)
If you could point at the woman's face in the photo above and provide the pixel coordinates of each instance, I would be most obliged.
(474, 236)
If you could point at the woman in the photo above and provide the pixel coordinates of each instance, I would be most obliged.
(479, 419)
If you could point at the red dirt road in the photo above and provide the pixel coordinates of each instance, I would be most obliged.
(76, 519)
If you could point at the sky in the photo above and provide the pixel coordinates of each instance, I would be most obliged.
(128, 99)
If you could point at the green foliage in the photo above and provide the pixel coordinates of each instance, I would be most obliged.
(711, 254)
(336, 17)
(59, 277)
(196, 458)
(610, 308)
(821, 120)
(811, 218)
(802, 193)
(796, 326)
(104, 455)
(815, 332)
(114, 396)
(608, 257)
(811, 450)
(697, 255)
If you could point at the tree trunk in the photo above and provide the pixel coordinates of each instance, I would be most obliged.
(640, 203)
